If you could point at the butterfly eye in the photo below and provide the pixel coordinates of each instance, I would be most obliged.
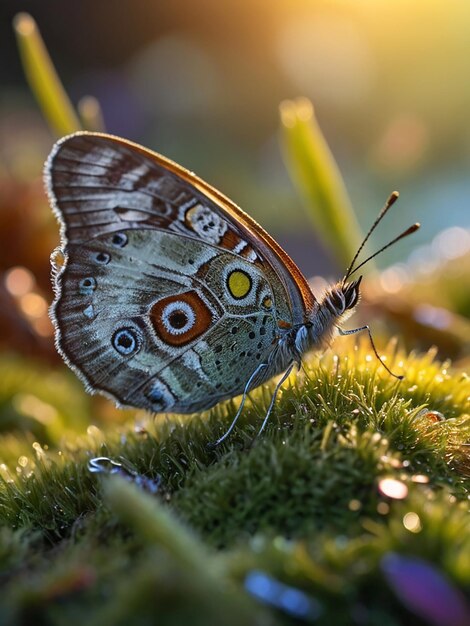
(102, 258)
(126, 341)
(119, 240)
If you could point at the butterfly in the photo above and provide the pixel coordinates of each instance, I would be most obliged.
(168, 297)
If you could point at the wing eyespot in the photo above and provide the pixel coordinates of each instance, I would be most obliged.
(178, 320)
(178, 317)
(126, 341)
(101, 258)
(205, 223)
(267, 303)
(159, 396)
(239, 284)
(119, 240)
(87, 286)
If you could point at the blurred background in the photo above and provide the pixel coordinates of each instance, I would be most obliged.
(201, 83)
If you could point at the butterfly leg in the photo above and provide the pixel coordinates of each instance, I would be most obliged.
(358, 330)
(273, 399)
(240, 408)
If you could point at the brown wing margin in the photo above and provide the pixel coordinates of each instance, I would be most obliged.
(288, 272)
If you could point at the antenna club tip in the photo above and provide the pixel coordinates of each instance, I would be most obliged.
(393, 198)
(413, 228)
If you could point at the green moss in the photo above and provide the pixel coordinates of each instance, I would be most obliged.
(302, 504)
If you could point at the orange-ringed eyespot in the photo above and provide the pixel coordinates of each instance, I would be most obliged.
(178, 317)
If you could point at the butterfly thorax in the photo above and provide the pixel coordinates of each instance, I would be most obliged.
(318, 330)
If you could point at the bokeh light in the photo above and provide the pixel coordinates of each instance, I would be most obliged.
(393, 488)
(19, 281)
(412, 522)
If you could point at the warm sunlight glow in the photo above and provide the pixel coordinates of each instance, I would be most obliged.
(33, 305)
(19, 281)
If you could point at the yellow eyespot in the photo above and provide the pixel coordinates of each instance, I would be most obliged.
(239, 284)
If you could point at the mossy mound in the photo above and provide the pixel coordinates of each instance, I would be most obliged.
(358, 481)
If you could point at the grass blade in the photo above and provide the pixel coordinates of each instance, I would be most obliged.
(43, 78)
(318, 180)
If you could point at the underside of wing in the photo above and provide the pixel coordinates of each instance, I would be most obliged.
(169, 296)
(99, 184)
(138, 322)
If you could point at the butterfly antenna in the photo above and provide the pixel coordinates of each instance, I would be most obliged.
(409, 231)
(391, 201)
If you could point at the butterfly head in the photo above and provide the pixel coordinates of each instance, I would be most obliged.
(336, 305)
(342, 298)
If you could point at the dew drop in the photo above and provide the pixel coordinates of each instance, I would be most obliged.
(40, 454)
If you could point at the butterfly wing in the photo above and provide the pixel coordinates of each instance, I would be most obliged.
(169, 295)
